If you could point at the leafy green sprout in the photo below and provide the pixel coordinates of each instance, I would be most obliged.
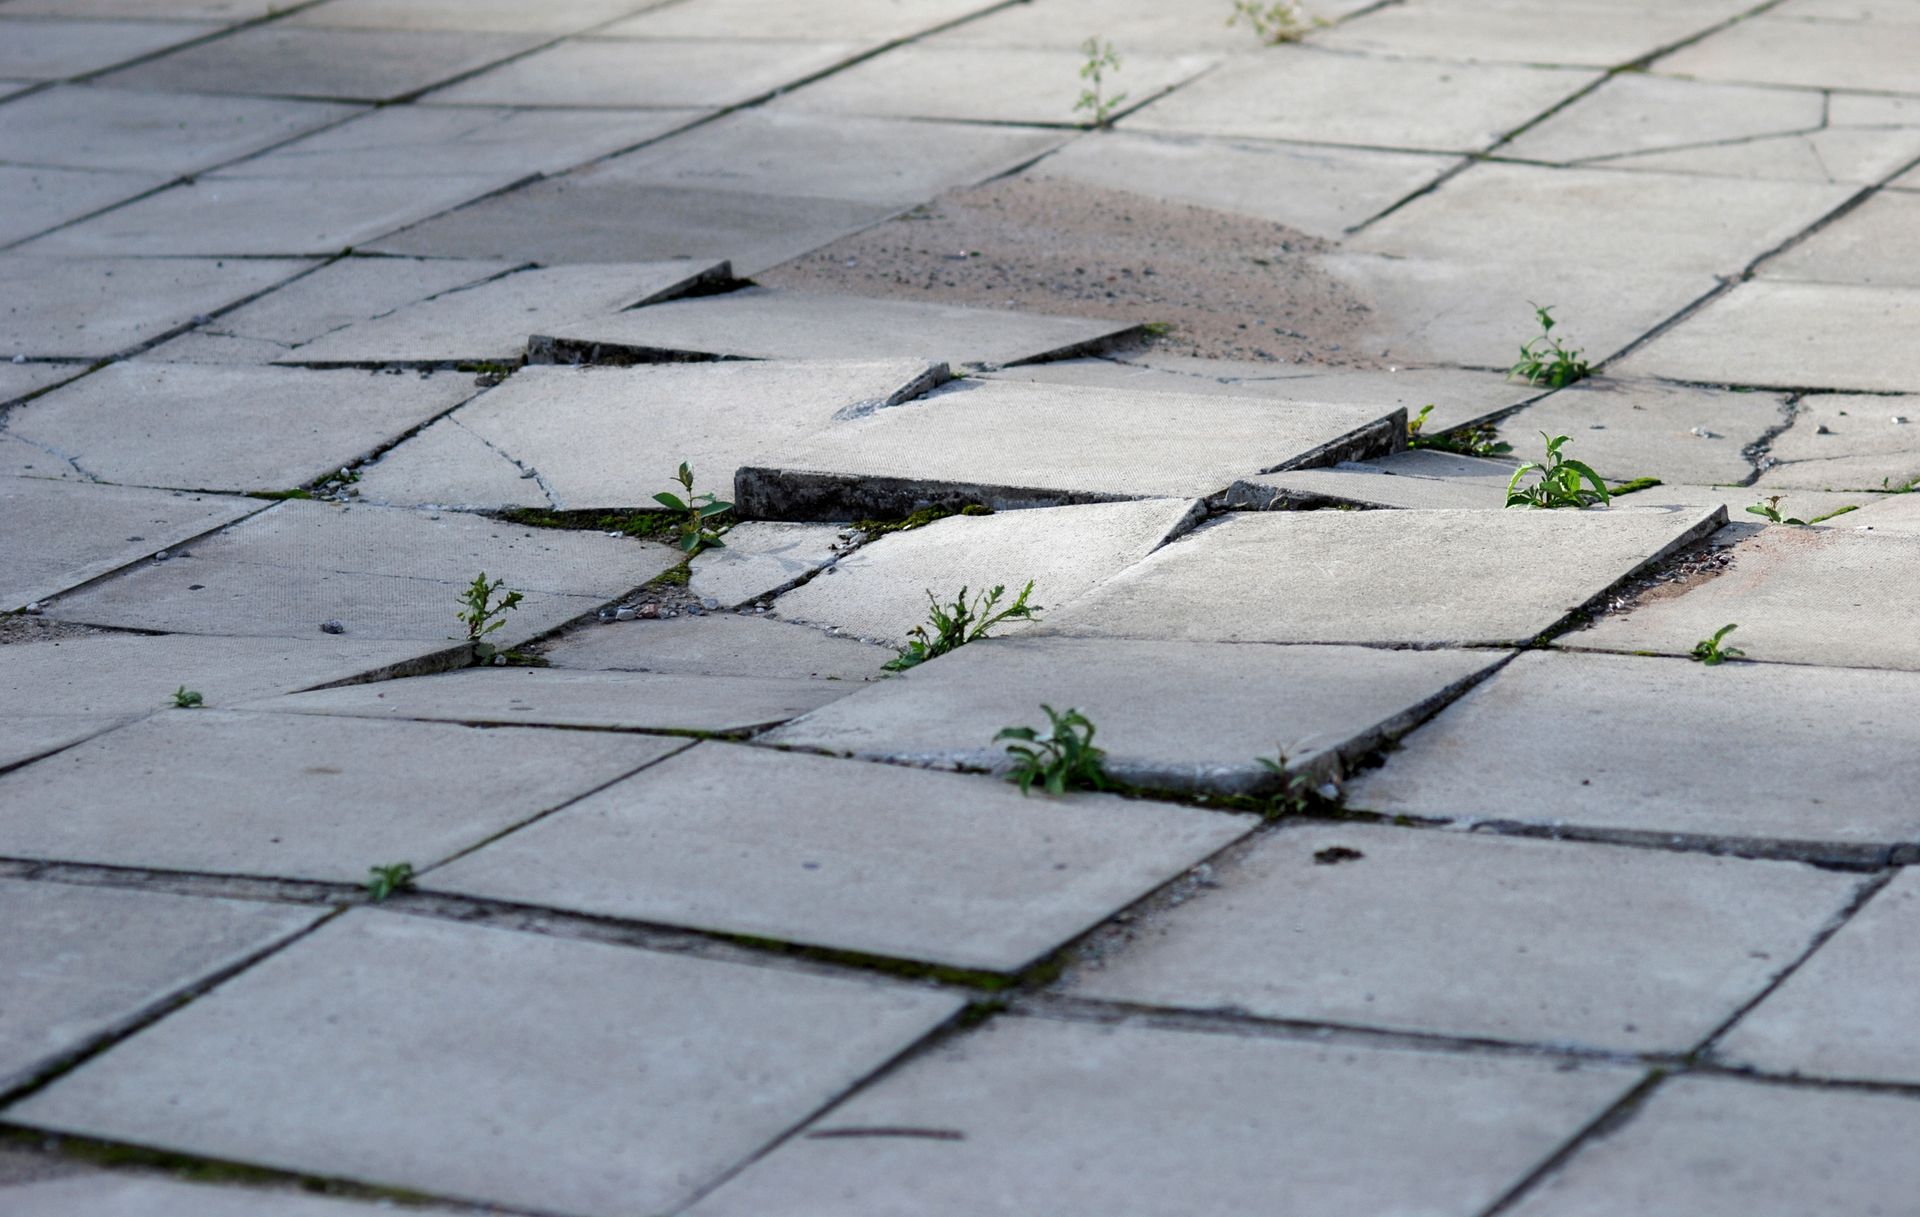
(186, 699)
(1769, 509)
(1561, 481)
(1059, 757)
(1101, 59)
(1475, 440)
(384, 881)
(696, 526)
(482, 614)
(955, 625)
(1711, 651)
(1275, 23)
(1544, 360)
(1295, 794)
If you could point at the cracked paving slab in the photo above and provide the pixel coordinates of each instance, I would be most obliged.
(1629, 429)
(762, 558)
(92, 308)
(1846, 442)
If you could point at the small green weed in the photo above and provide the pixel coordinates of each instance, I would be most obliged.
(1709, 651)
(1101, 59)
(1633, 486)
(875, 529)
(1275, 23)
(1544, 361)
(630, 523)
(1059, 758)
(1157, 329)
(957, 624)
(1296, 789)
(1769, 509)
(1475, 440)
(384, 881)
(186, 699)
(698, 514)
(483, 614)
(1560, 483)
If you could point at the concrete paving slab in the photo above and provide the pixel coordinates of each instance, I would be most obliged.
(1178, 716)
(718, 645)
(1124, 1121)
(1621, 949)
(1858, 156)
(299, 796)
(1776, 50)
(169, 10)
(761, 559)
(960, 871)
(61, 534)
(1636, 428)
(84, 963)
(716, 1060)
(90, 308)
(1312, 96)
(644, 701)
(770, 323)
(1792, 335)
(45, 48)
(101, 128)
(1380, 577)
(647, 420)
(25, 737)
(1827, 596)
(41, 199)
(647, 72)
(1634, 113)
(507, 16)
(1876, 243)
(1419, 479)
(117, 1195)
(1895, 514)
(448, 463)
(279, 60)
(207, 427)
(1603, 742)
(875, 21)
(1848, 1012)
(1847, 442)
(1600, 35)
(1709, 1147)
(1799, 504)
(1126, 23)
(17, 380)
(880, 591)
(492, 320)
(1006, 445)
(383, 574)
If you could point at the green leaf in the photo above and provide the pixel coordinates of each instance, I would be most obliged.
(714, 509)
(670, 500)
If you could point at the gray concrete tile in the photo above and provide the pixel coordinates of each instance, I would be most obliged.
(1614, 743)
(1628, 950)
(761, 558)
(85, 963)
(24, 737)
(1792, 335)
(101, 128)
(1627, 429)
(207, 427)
(1418, 479)
(716, 1060)
(718, 645)
(1638, 113)
(298, 796)
(167, 10)
(1181, 716)
(62, 534)
(504, 16)
(1894, 514)
(955, 870)
(1127, 23)
(360, 65)
(1598, 35)
(117, 1195)
(1123, 1121)
(1381, 577)
(41, 199)
(1858, 155)
(1877, 243)
(1778, 50)
(47, 48)
(1846, 442)
(835, 20)
(649, 72)
(91, 308)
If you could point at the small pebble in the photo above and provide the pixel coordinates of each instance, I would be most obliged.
(623, 613)
(709, 603)
(162, 556)
(332, 627)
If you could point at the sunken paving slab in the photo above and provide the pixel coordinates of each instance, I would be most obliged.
(1125, 1121)
(1426, 577)
(718, 645)
(1610, 746)
(1597, 35)
(1171, 715)
(40, 199)
(61, 534)
(91, 308)
(98, 128)
(280, 60)
(1440, 933)
(613, 72)
(1800, 595)
(1417, 478)
(646, 701)
(48, 49)
(380, 573)
(118, 1195)
(1847, 442)
(1777, 50)
(765, 323)
(882, 590)
(1628, 429)
(1849, 1011)
(1005, 444)
(936, 867)
(1711, 1147)
(210, 427)
(761, 558)
(84, 963)
(298, 796)
(712, 1062)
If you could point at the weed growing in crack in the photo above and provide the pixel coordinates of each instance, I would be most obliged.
(1060, 757)
(698, 514)
(186, 699)
(1296, 791)
(1475, 440)
(1544, 361)
(1633, 486)
(875, 529)
(1769, 509)
(955, 625)
(384, 881)
(1711, 651)
(1561, 481)
(483, 614)
(1101, 59)
(1275, 23)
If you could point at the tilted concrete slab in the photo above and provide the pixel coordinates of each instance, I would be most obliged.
(1428, 577)
(761, 558)
(1600, 35)
(1126, 1120)
(85, 963)
(1793, 335)
(1613, 744)
(1628, 950)
(61, 534)
(103, 128)
(53, 49)
(1847, 442)
(1629, 429)
(881, 590)
(208, 427)
(644, 72)
(106, 1194)
(716, 1061)
(1418, 478)
(90, 308)
(1893, 514)
(955, 870)
(718, 645)
(1178, 716)
(767, 323)
(382, 574)
(40, 199)
(1877, 243)
(1777, 50)
(298, 796)
(838, 20)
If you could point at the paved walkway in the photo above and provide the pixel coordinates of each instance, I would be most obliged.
(1437, 872)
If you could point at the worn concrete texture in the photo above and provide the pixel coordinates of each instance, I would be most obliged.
(74, 308)
(718, 645)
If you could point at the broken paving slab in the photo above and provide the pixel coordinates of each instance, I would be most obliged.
(1107, 1119)
(380, 574)
(1875, 244)
(1004, 444)
(629, 72)
(299, 796)
(1634, 112)
(491, 321)
(87, 127)
(48, 48)
(1480, 937)
(1670, 753)
(1630, 429)
(61, 534)
(1597, 35)
(1774, 49)
(1172, 715)
(1460, 578)
(718, 644)
(1846, 442)
(1422, 479)
(228, 427)
(85, 963)
(92, 308)
(769, 323)
(41, 199)
(630, 701)
(901, 863)
(715, 1061)
(881, 590)
(113, 1194)
(762, 558)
